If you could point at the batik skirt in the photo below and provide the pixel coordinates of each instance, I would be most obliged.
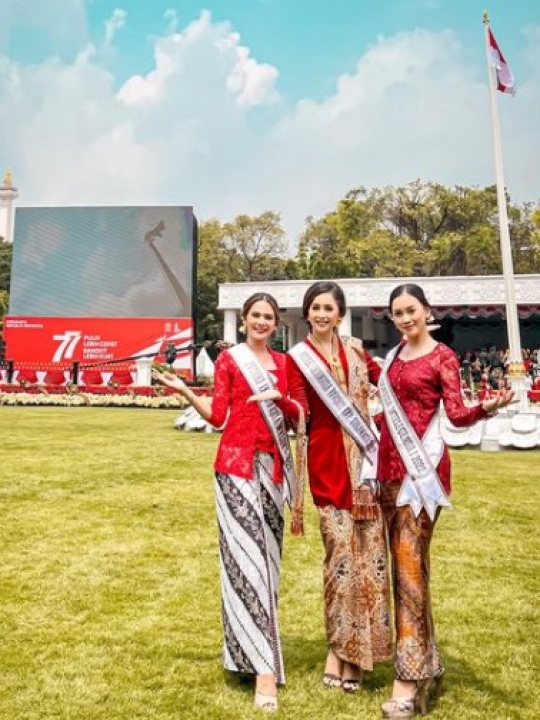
(356, 587)
(250, 524)
(416, 656)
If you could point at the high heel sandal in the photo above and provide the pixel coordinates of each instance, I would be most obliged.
(406, 707)
(268, 703)
(351, 684)
(331, 681)
(398, 708)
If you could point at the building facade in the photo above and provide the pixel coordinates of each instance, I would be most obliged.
(470, 310)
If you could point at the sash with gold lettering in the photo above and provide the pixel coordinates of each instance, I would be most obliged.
(421, 487)
(259, 381)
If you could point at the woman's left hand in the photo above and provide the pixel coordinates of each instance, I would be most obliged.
(266, 395)
(499, 401)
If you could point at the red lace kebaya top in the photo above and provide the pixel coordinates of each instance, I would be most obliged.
(419, 385)
(246, 431)
(329, 479)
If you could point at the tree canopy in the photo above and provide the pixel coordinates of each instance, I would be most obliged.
(418, 229)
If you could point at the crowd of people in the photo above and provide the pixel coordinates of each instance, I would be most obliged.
(485, 372)
(378, 488)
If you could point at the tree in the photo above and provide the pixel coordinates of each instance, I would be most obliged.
(252, 243)
(525, 236)
(212, 269)
(417, 229)
(358, 239)
(5, 264)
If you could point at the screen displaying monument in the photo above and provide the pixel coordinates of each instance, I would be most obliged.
(103, 262)
(93, 284)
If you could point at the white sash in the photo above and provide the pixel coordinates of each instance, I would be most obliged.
(339, 404)
(259, 381)
(421, 486)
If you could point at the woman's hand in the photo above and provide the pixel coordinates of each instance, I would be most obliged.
(266, 395)
(499, 401)
(170, 379)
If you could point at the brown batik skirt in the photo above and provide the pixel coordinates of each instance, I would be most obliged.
(417, 656)
(356, 588)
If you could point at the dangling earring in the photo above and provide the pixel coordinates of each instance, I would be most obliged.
(430, 319)
(242, 329)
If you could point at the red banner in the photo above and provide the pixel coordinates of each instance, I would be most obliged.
(57, 341)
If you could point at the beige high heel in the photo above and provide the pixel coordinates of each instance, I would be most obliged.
(406, 707)
(268, 703)
(398, 708)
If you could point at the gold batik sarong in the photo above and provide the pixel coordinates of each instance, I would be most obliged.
(417, 656)
(356, 587)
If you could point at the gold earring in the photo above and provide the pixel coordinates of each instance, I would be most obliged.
(242, 329)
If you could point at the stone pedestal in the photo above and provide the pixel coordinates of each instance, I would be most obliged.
(493, 428)
(144, 372)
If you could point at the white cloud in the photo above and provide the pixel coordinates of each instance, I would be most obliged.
(171, 17)
(115, 23)
(59, 24)
(179, 56)
(414, 107)
(251, 82)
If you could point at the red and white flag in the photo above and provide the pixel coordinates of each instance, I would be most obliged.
(505, 78)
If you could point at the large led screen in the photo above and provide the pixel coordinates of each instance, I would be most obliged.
(131, 262)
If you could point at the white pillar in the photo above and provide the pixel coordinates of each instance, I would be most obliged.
(291, 326)
(368, 327)
(346, 324)
(296, 331)
(8, 195)
(229, 327)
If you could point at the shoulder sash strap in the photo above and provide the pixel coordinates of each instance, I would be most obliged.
(421, 487)
(341, 406)
(259, 380)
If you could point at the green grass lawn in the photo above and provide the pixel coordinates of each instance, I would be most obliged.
(109, 595)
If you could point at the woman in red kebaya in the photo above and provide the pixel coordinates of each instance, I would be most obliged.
(414, 472)
(326, 375)
(252, 475)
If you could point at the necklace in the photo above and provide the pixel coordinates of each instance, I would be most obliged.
(332, 358)
(330, 355)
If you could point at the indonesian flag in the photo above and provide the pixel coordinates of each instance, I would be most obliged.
(505, 78)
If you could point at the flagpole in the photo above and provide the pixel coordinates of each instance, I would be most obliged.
(516, 369)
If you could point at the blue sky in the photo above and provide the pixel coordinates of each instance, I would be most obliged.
(245, 105)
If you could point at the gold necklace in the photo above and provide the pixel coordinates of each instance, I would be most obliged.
(332, 359)
(328, 354)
